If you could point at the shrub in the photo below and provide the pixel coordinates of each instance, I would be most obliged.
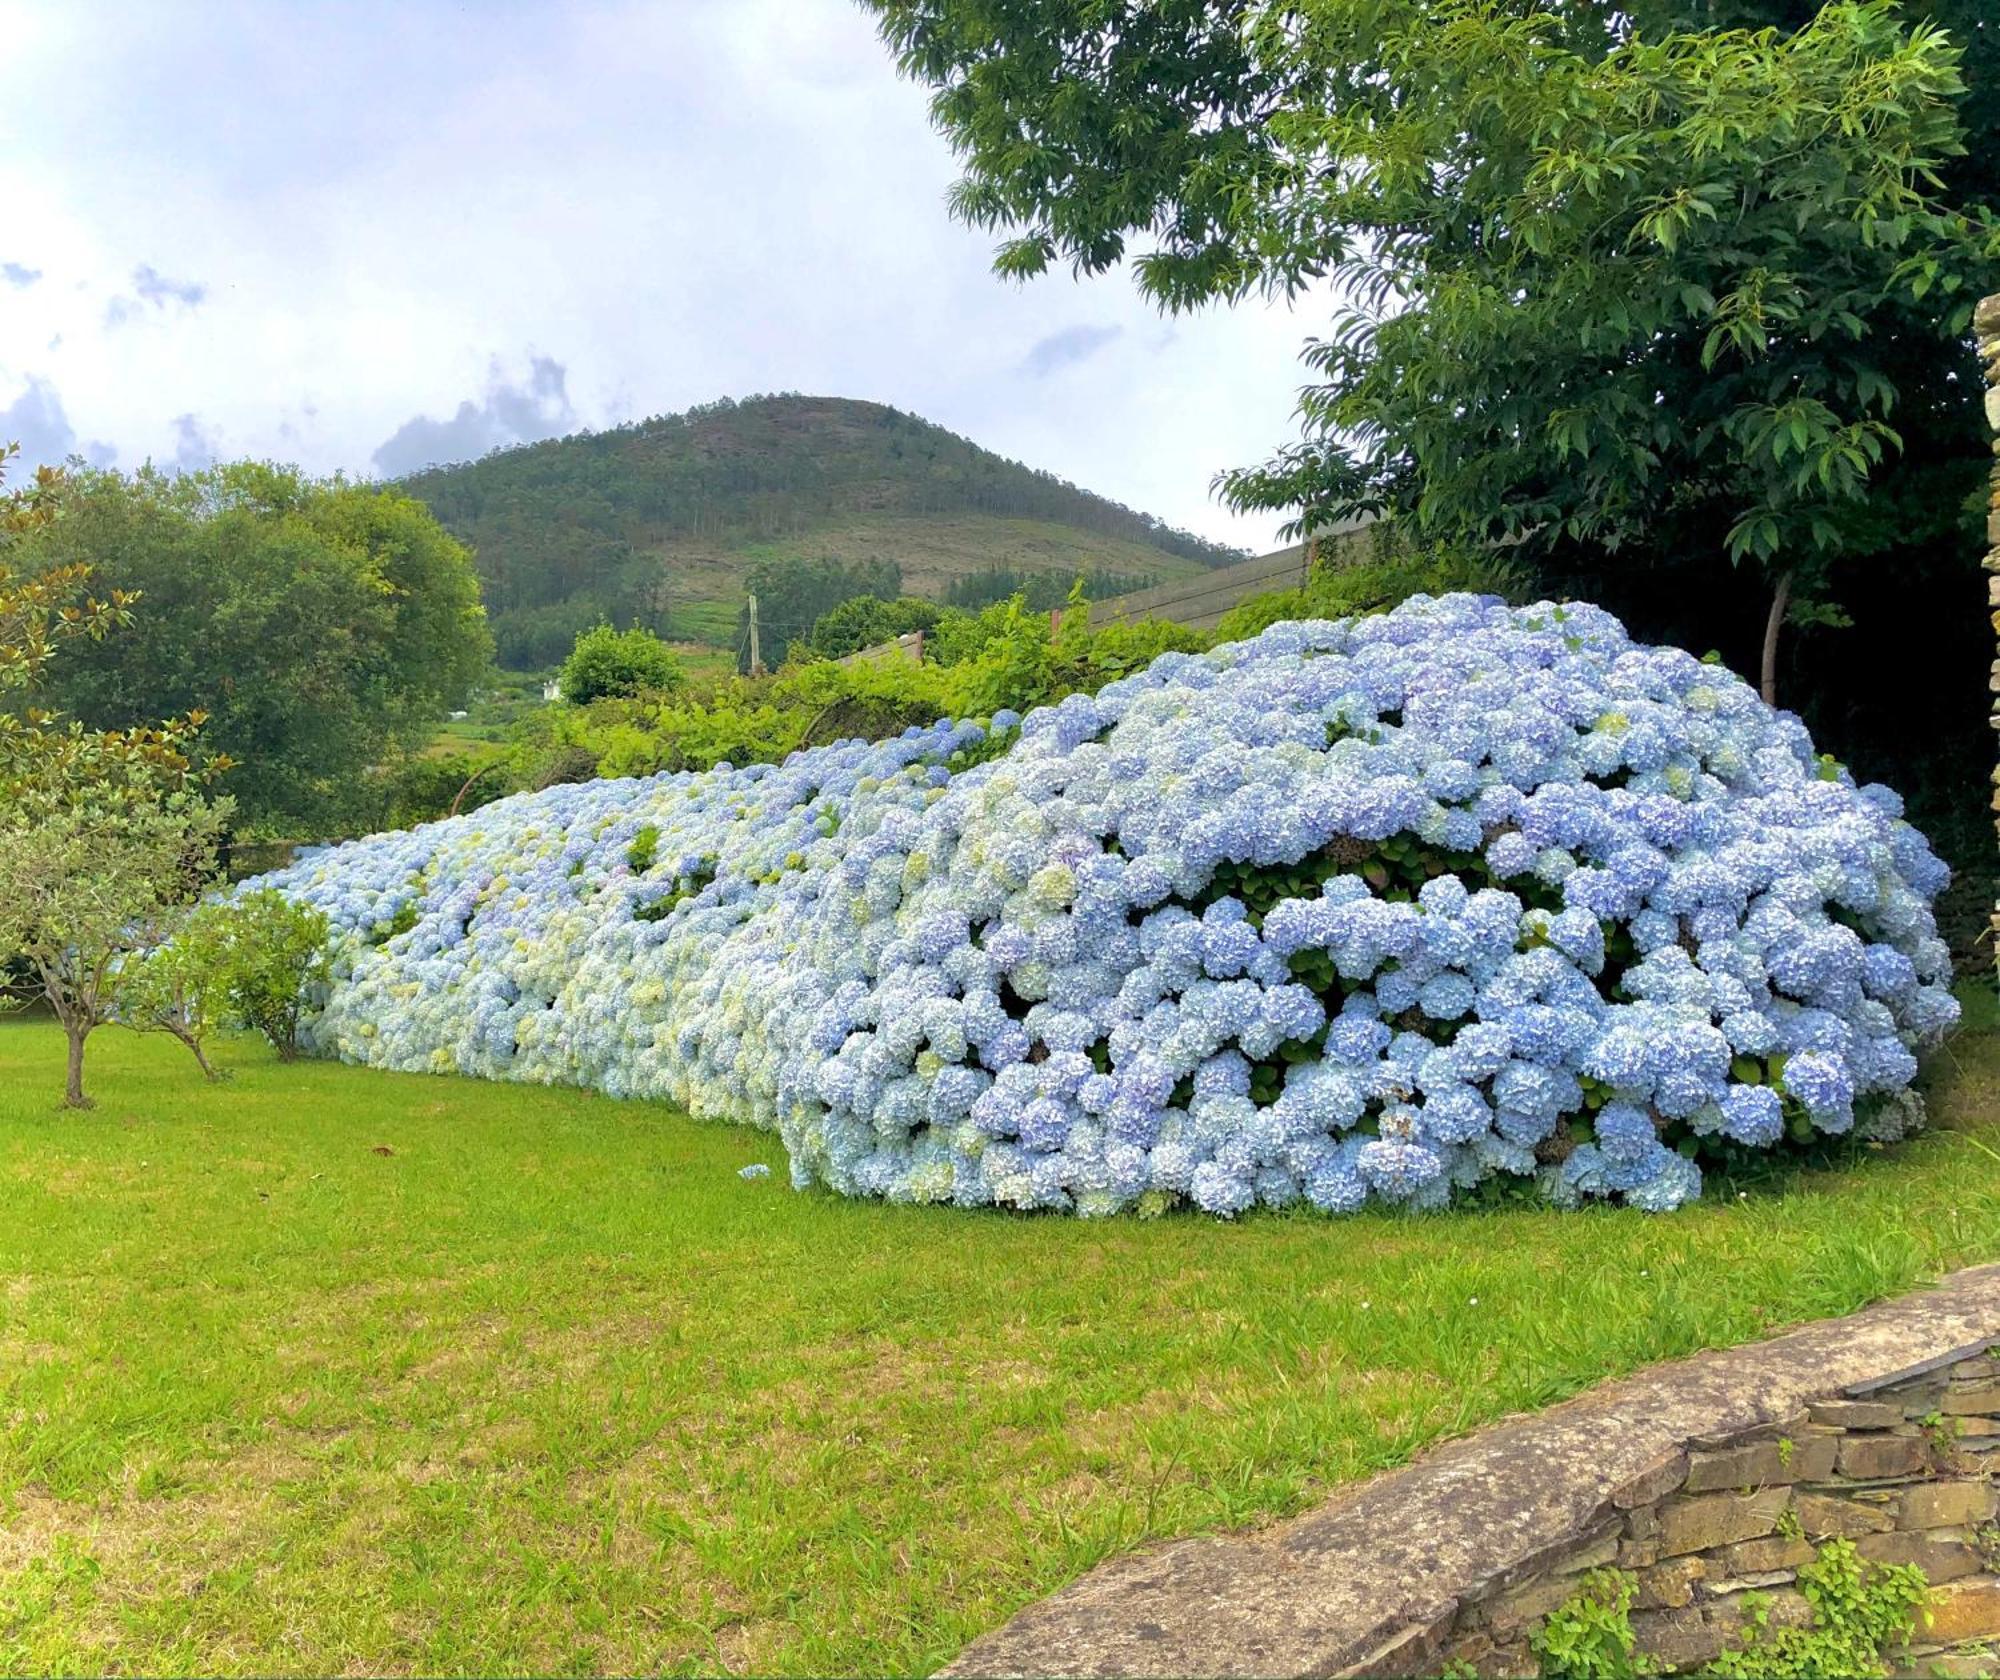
(1343, 589)
(1356, 912)
(1005, 657)
(1590, 1637)
(276, 961)
(181, 986)
(607, 662)
(1862, 1614)
(866, 621)
(421, 789)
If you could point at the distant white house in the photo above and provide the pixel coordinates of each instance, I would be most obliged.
(552, 689)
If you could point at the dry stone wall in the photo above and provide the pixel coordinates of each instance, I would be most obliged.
(1903, 1468)
(1710, 1480)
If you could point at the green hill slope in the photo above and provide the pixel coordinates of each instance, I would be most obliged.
(657, 522)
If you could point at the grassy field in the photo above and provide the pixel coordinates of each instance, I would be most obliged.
(325, 1369)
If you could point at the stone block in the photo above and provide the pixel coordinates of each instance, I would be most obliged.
(1940, 1558)
(1963, 1611)
(1660, 1479)
(1986, 317)
(1762, 1557)
(1708, 1520)
(1678, 1639)
(1872, 1414)
(1867, 1457)
(1529, 1602)
(1807, 1458)
(1669, 1585)
(1825, 1517)
(1945, 1505)
(1749, 1466)
(1596, 1555)
(1790, 1424)
(1970, 1399)
(1973, 1664)
(1698, 1634)
(1729, 1586)
(1920, 1400)
(1416, 1650)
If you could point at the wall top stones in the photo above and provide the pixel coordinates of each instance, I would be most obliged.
(1707, 1478)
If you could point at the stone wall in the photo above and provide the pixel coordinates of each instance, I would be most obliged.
(1708, 1479)
(1987, 324)
(1903, 1468)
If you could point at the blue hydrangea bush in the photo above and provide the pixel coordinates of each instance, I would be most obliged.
(1367, 911)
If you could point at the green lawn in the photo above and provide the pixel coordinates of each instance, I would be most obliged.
(326, 1369)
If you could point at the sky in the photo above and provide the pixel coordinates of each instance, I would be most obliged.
(367, 236)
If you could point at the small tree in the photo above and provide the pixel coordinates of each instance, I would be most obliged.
(618, 664)
(276, 960)
(82, 885)
(181, 986)
(866, 620)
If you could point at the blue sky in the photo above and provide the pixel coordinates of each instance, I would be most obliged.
(363, 236)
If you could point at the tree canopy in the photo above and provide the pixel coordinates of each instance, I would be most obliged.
(319, 623)
(1670, 297)
(618, 663)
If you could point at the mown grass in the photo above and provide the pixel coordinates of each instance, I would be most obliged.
(326, 1369)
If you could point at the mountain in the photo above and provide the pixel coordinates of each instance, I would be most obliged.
(657, 522)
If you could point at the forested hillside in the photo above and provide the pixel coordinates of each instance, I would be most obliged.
(658, 522)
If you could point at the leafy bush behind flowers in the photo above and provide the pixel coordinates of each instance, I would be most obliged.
(1005, 656)
(1355, 911)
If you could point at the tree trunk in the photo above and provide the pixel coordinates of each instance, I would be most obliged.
(73, 1096)
(200, 1060)
(1781, 598)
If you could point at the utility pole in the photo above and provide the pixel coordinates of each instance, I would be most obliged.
(756, 653)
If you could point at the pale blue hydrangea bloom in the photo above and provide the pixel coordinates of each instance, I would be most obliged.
(1024, 984)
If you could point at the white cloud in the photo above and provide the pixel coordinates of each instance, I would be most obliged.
(665, 203)
(511, 412)
(155, 288)
(38, 422)
(1066, 348)
(195, 446)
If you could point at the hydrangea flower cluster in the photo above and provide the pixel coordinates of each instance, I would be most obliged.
(1354, 912)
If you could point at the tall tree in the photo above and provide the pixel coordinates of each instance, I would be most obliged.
(320, 623)
(1655, 296)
